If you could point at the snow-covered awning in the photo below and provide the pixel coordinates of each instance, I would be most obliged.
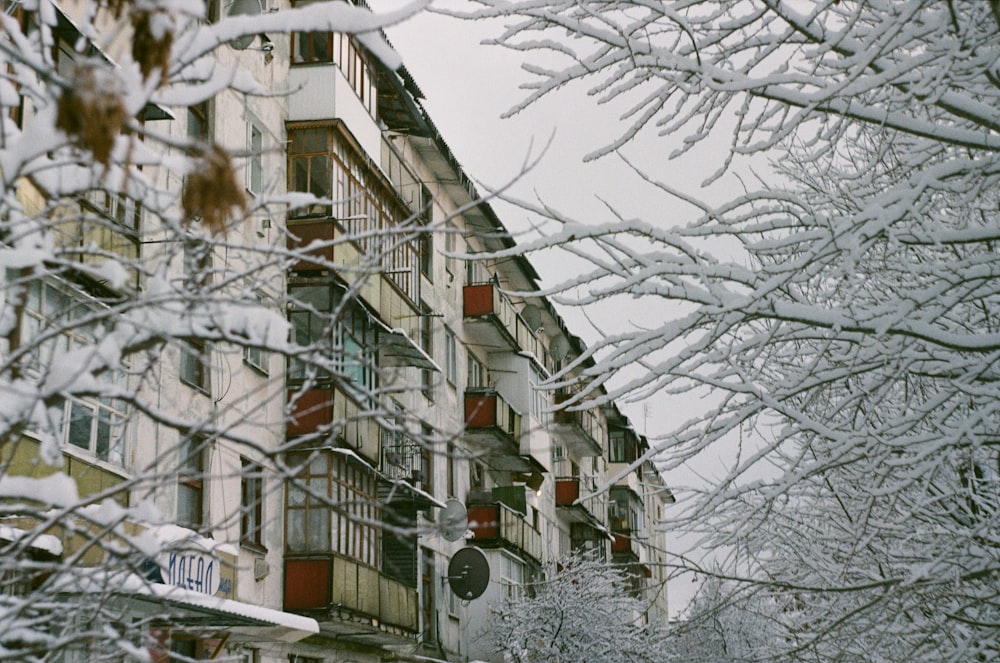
(45, 544)
(243, 621)
(398, 349)
(187, 609)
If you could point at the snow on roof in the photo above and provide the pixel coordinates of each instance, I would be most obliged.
(46, 543)
(260, 623)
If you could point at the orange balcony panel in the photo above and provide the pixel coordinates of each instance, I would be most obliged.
(478, 300)
(313, 409)
(484, 521)
(303, 234)
(621, 543)
(481, 411)
(307, 583)
(567, 491)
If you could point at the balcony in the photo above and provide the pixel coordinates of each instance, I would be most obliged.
(568, 491)
(581, 431)
(498, 525)
(353, 600)
(333, 418)
(621, 543)
(491, 317)
(98, 225)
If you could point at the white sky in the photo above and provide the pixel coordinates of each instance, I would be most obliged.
(468, 86)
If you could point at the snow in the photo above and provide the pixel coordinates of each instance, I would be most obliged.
(57, 489)
(45, 542)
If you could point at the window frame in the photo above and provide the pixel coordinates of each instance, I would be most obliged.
(251, 503)
(196, 365)
(191, 477)
(255, 159)
(450, 356)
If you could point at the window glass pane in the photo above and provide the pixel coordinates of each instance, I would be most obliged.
(104, 432)
(319, 529)
(188, 505)
(80, 425)
(319, 176)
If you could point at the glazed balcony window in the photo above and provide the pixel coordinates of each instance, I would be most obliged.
(317, 48)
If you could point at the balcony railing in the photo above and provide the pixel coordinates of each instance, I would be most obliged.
(400, 456)
(581, 430)
(498, 524)
(484, 302)
(337, 583)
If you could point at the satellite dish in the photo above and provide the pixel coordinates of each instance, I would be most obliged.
(559, 347)
(468, 573)
(244, 8)
(453, 520)
(533, 316)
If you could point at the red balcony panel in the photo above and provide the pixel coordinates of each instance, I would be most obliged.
(478, 300)
(567, 491)
(481, 410)
(303, 234)
(484, 521)
(621, 543)
(313, 409)
(307, 583)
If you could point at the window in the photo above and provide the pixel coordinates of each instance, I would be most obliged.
(427, 459)
(476, 373)
(196, 361)
(57, 320)
(426, 239)
(452, 470)
(428, 608)
(309, 168)
(191, 484)
(621, 447)
(511, 576)
(625, 512)
(252, 503)
(350, 526)
(295, 658)
(450, 357)
(96, 427)
(336, 334)
(198, 125)
(449, 248)
(255, 356)
(539, 397)
(255, 158)
(427, 345)
(312, 47)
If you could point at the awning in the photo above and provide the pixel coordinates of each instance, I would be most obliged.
(186, 609)
(244, 621)
(398, 350)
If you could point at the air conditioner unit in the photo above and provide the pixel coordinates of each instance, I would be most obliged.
(260, 568)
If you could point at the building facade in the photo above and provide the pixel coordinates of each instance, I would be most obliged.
(304, 521)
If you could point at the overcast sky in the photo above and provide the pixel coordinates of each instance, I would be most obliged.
(468, 86)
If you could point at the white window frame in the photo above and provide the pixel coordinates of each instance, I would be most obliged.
(55, 306)
(450, 357)
(255, 159)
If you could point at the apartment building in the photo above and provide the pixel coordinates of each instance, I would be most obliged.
(304, 520)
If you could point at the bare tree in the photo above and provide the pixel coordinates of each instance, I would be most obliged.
(844, 321)
(583, 611)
